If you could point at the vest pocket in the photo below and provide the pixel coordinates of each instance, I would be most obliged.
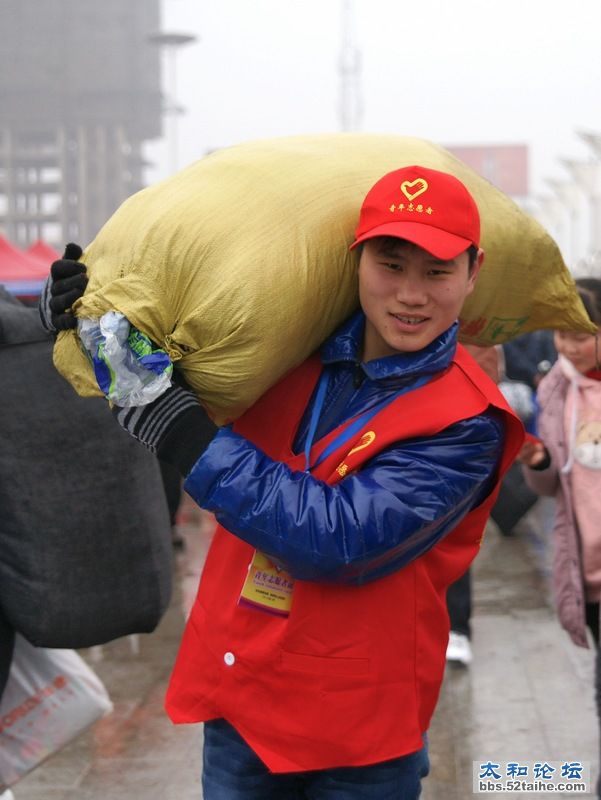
(324, 665)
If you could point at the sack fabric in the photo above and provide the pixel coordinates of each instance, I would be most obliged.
(239, 265)
(51, 697)
(85, 537)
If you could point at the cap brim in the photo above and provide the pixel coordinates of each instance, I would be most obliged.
(439, 243)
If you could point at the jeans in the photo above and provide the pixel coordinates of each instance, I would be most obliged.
(232, 771)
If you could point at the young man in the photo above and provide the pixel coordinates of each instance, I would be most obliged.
(349, 498)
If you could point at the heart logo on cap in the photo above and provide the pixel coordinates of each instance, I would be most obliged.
(406, 187)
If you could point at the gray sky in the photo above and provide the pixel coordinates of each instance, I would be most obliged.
(453, 71)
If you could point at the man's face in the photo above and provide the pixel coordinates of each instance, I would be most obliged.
(409, 296)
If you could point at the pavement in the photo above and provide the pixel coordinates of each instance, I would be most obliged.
(527, 696)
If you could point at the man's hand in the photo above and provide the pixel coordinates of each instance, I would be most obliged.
(66, 283)
(175, 427)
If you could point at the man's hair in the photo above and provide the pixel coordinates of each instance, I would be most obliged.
(390, 243)
(472, 255)
(589, 290)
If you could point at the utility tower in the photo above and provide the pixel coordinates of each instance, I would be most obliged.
(349, 68)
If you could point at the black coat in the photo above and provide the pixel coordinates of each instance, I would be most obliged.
(85, 538)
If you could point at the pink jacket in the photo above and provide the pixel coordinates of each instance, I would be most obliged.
(568, 583)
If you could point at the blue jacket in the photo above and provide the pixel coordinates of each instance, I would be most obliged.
(397, 507)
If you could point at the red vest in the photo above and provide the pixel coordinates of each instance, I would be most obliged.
(352, 676)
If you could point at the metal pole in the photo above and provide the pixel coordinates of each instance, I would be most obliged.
(349, 69)
(170, 42)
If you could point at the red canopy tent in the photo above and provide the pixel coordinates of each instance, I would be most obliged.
(43, 252)
(22, 274)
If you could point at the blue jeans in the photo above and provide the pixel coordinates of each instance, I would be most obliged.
(232, 771)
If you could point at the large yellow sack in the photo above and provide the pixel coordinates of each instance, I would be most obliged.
(239, 265)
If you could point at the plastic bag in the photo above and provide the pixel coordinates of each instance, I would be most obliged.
(51, 697)
(129, 369)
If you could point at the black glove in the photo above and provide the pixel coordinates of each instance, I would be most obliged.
(174, 426)
(66, 283)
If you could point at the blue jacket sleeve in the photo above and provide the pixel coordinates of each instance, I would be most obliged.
(371, 523)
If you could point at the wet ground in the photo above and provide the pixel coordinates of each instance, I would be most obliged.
(527, 695)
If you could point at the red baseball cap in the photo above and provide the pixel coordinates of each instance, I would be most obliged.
(430, 208)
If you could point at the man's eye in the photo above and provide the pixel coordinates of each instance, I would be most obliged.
(439, 272)
(391, 265)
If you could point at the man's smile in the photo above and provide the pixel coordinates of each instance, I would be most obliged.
(411, 320)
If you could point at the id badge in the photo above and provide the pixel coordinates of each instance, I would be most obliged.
(267, 588)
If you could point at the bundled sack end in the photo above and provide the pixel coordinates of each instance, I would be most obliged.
(524, 289)
(129, 369)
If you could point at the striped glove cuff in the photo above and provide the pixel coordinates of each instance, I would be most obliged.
(174, 427)
(44, 307)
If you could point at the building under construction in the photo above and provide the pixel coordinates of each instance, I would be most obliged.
(79, 93)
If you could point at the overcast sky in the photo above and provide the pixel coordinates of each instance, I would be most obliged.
(453, 71)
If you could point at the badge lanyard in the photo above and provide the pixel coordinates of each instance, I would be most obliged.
(266, 587)
(355, 426)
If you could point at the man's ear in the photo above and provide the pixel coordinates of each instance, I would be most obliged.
(475, 270)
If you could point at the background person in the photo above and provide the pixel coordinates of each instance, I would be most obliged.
(459, 595)
(524, 362)
(566, 464)
(528, 358)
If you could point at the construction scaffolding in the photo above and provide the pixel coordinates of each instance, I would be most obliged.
(80, 94)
